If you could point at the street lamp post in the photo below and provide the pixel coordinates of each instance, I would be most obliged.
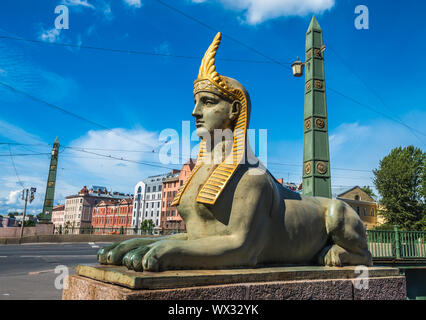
(25, 197)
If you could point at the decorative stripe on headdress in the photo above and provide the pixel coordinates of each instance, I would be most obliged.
(209, 80)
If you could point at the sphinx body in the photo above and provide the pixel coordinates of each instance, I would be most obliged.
(258, 222)
(236, 213)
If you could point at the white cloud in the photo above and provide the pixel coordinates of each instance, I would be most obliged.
(258, 11)
(356, 146)
(135, 145)
(345, 133)
(13, 197)
(99, 6)
(107, 11)
(51, 35)
(78, 3)
(77, 168)
(133, 3)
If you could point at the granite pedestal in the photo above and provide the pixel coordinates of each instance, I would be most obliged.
(296, 283)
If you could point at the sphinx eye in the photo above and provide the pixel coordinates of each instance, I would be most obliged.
(208, 101)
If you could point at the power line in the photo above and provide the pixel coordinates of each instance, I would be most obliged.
(24, 154)
(183, 156)
(14, 167)
(374, 93)
(60, 109)
(127, 160)
(51, 105)
(277, 62)
(223, 34)
(61, 44)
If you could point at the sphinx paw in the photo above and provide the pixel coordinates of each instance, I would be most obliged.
(103, 253)
(333, 258)
(133, 259)
(151, 262)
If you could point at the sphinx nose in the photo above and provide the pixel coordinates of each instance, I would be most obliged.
(197, 111)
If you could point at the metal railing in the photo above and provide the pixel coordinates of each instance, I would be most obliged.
(113, 231)
(397, 244)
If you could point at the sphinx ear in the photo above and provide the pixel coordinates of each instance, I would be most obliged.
(235, 110)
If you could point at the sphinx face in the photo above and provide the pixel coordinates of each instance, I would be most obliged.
(212, 112)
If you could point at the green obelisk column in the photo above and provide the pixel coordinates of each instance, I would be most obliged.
(51, 181)
(316, 155)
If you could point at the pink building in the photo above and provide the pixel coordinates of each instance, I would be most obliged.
(171, 221)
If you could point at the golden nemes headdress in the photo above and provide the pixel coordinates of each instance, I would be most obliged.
(209, 80)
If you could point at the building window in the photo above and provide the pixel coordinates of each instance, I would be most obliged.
(357, 210)
(159, 187)
(148, 189)
(154, 189)
(357, 198)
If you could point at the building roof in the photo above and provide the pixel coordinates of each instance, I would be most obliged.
(115, 202)
(171, 179)
(341, 194)
(60, 207)
(337, 191)
(99, 192)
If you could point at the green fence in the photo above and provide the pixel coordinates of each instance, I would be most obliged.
(397, 244)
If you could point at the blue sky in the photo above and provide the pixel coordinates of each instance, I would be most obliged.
(138, 96)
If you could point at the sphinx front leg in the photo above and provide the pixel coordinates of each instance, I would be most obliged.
(207, 253)
(115, 253)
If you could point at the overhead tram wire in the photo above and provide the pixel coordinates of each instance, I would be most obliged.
(181, 157)
(51, 105)
(277, 62)
(127, 51)
(14, 167)
(286, 65)
(127, 160)
(58, 108)
(374, 92)
(223, 34)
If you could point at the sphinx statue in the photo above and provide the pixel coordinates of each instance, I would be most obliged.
(236, 213)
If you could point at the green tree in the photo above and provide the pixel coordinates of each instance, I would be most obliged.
(13, 214)
(147, 226)
(368, 191)
(400, 182)
(29, 223)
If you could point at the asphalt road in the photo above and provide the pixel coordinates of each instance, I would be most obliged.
(27, 271)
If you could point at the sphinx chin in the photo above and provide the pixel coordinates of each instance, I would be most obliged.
(203, 133)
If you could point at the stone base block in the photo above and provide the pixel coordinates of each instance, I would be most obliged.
(293, 283)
